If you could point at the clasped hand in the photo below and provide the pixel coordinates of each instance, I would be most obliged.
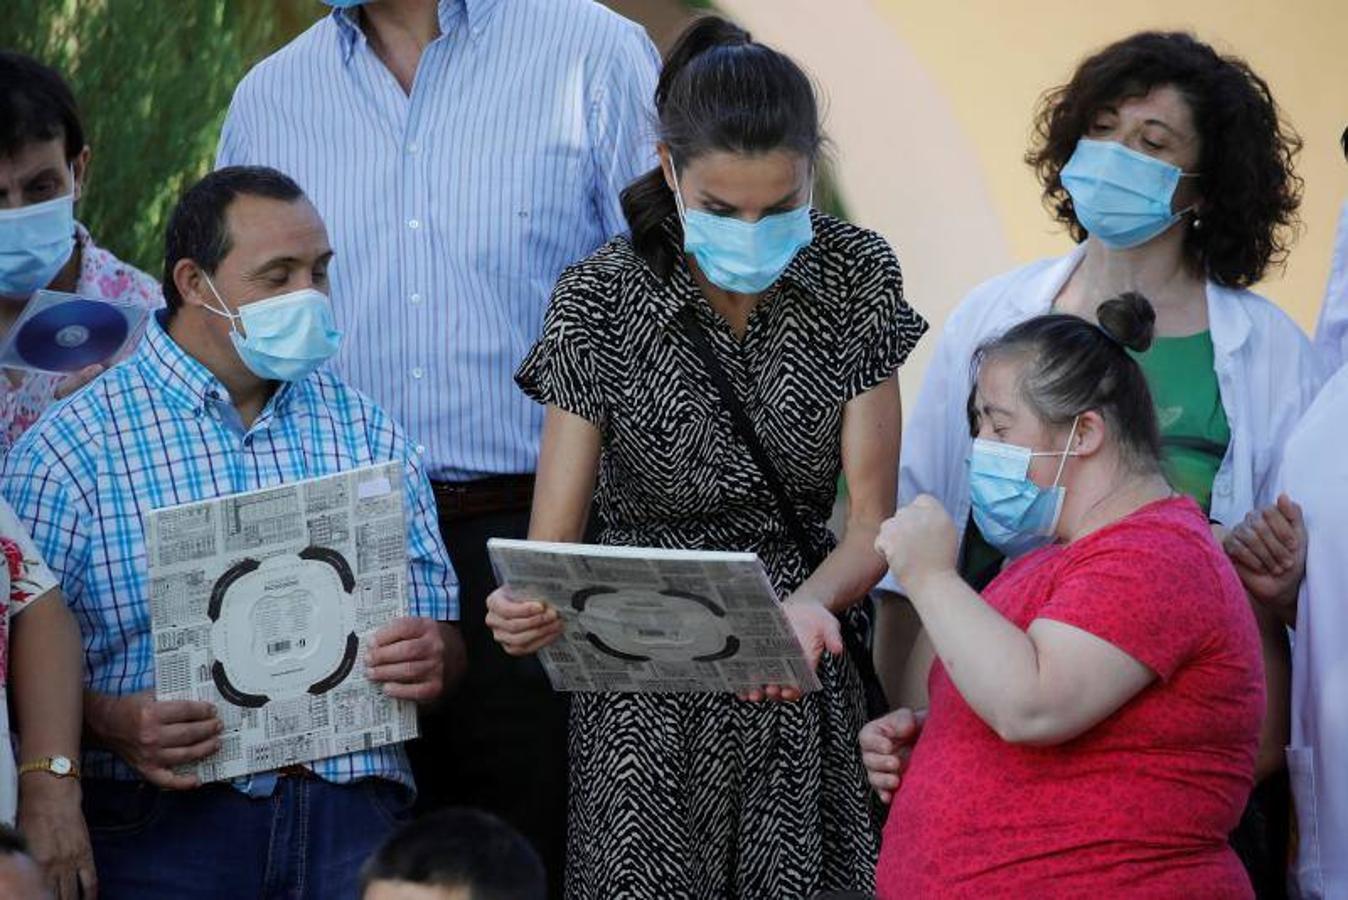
(1268, 549)
(886, 745)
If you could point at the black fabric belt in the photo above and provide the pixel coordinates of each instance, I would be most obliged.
(498, 494)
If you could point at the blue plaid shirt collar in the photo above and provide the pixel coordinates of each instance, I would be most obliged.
(186, 383)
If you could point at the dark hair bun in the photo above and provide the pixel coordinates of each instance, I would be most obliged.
(704, 34)
(1129, 320)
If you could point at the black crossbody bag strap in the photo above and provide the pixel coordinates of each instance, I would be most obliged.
(745, 429)
(855, 635)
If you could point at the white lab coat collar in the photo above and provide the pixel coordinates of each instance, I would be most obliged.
(1228, 319)
(1228, 323)
(1043, 289)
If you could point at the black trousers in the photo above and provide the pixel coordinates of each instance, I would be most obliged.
(499, 742)
(1261, 839)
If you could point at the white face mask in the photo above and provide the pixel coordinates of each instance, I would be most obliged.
(284, 338)
(1014, 514)
(35, 242)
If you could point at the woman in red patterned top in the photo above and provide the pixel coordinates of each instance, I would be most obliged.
(1094, 715)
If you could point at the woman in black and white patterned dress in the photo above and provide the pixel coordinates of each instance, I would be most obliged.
(711, 795)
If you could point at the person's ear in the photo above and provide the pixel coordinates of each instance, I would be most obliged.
(80, 169)
(666, 164)
(191, 284)
(1090, 434)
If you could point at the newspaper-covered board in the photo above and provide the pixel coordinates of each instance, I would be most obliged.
(642, 620)
(263, 604)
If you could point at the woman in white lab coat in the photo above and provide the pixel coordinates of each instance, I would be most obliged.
(1169, 166)
(1293, 557)
(1304, 577)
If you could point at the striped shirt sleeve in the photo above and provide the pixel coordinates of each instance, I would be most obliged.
(622, 124)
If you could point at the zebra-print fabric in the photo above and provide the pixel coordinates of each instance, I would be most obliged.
(703, 796)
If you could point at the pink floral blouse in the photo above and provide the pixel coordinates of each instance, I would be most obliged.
(24, 396)
(26, 574)
(24, 578)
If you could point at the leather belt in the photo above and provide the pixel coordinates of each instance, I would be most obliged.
(295, 771)
(498, 494)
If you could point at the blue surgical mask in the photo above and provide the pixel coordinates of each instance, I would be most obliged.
(743, 257)
(1121, 197)
(35, 242)
(1014, 514)
(284, 338)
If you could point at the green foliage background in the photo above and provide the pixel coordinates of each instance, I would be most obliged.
(153, 79)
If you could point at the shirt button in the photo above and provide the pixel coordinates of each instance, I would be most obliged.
(421, 449)
(417, 373)
(412, 147)
(415, 298)
(414, 224)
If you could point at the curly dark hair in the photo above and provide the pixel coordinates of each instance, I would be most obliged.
(1249, 188)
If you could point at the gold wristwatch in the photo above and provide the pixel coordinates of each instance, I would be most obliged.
(60, 766)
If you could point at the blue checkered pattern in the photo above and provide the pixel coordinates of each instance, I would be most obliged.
(159, 430)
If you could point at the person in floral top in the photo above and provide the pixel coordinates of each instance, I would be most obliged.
(41, 654)
(43, 164)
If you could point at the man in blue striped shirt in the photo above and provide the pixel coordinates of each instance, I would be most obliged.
(462, 152)
(207, 408)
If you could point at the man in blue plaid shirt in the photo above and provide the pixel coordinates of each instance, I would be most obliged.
(223, 396)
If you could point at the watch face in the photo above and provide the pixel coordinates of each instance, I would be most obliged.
(60, 765)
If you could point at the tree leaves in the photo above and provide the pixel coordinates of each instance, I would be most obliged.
(153, 80)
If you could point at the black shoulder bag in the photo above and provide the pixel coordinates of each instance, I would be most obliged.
(855, 624)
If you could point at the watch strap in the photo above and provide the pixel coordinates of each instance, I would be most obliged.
(48, 764)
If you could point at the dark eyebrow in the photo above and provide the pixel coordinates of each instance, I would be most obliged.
(988, 409)
(286, 261)
(49, 172)
(712, 199)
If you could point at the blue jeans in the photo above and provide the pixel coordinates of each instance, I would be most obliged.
(307, 840)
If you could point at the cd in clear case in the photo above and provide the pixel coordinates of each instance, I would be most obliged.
(60, 333)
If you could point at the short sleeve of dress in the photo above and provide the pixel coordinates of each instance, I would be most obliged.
(1149, 591)
(29, 577)
(883, 327)
(563, 368)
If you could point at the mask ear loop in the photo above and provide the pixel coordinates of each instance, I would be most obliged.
(1192, 207)
(678, 192)
(225, 313)
(1067, 451)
